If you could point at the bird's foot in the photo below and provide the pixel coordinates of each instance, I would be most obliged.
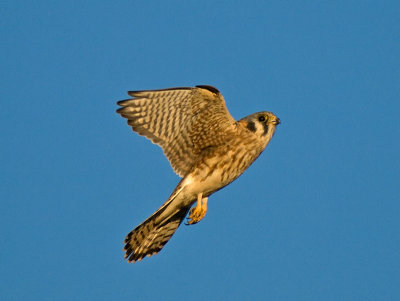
(197, 213)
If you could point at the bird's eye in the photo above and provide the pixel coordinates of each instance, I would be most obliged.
(261, 118)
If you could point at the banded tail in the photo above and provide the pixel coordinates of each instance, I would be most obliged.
(151, 236)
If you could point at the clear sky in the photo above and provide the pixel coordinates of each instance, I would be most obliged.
(315, 218)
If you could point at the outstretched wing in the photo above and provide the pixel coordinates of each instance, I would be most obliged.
(183, 121)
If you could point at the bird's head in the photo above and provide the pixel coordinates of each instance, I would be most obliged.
(262, 124)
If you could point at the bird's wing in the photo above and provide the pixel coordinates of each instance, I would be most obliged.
(183, 121)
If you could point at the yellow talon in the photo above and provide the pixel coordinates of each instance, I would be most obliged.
(197, 213)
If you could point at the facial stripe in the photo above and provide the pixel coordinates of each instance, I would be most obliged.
(265, 125)
(251, 126)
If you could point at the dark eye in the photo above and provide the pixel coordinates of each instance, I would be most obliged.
(261, 118)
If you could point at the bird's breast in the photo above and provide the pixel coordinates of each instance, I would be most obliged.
(220, 167)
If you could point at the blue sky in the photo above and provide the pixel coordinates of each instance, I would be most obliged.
(315, 218)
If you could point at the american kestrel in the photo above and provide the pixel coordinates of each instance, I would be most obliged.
(204, 145)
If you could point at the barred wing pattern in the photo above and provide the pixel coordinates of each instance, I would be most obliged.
(183, 121)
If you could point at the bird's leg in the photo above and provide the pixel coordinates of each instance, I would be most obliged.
(197, 213)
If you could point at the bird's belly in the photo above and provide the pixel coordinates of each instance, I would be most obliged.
(207, 185)
(212, 177)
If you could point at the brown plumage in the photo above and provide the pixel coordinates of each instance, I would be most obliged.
(203, 144)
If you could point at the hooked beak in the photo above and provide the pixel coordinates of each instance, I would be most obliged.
(277, 121)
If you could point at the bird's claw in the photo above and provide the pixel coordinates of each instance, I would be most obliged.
(197, 213)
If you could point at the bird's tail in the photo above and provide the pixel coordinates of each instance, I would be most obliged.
(150, 236)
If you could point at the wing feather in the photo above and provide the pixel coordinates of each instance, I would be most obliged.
(183, 121)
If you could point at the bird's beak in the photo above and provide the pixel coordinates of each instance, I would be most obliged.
(277, 121)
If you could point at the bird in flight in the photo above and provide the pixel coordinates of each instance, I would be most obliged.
(204, 145)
